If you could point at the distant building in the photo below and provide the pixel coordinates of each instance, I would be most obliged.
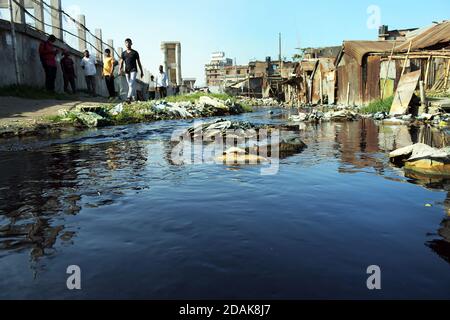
(233, 74)
(325, 52)
(172, 62)
(384, 34)
(215, 70)
(189, 84)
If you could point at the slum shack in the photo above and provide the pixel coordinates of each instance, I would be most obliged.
(313, 80)
(426, 49)
(358, 72)
(370, 70)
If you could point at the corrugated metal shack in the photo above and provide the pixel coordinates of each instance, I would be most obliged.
(369, 70)
(358, 72)
(314, 78)
(426, 49)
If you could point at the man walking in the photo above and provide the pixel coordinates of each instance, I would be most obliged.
(162, 82)
(152, 88)
(68, 70)
(90, 71)
(108, 73)
(47, 53)
(131, 60)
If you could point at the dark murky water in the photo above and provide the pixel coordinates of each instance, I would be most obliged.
(139, 226)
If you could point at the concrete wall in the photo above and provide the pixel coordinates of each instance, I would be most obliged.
(31, 71)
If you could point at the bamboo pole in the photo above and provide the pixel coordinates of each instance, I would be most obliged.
(387, 71)
(423, 98)
(446, 75)
(407, 58)
(413, 53)
(321, 87)
(417, 57)
(348, 94)
(427, 72)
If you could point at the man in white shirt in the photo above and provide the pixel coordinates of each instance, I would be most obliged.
(162, 82)
(90, 71)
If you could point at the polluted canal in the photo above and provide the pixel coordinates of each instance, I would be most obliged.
(140, 225)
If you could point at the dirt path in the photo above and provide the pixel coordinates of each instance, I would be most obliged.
(19, 115)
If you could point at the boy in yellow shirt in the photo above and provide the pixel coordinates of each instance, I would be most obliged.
(108, 73)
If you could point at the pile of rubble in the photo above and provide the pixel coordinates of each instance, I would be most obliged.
(423, 159)
(241, 142)
(98, 116)
(264, 102)
(440, 119)
(317, 116)
(224, 128)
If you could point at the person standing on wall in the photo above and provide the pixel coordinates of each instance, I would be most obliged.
(90, 71)
(131, 60)
(162, 82)
(68, 70)
(108, 73)
(47, 53)
(152, 88)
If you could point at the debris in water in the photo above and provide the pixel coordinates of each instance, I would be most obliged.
(424, 159)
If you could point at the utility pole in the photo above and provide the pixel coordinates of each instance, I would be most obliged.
(14, 41)
(279, 44)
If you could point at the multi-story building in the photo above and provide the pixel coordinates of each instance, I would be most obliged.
(215, 70)
(233, 74)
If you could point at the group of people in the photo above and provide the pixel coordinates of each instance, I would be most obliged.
(130, 64)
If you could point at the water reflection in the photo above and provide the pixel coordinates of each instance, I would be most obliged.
(40, 188)
(441, 244)
(364, 145)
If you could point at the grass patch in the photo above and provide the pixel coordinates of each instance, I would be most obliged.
(247, 108)
(34, 93)
(129, 116)
(378, 106)
(69, 118)
(193, 97)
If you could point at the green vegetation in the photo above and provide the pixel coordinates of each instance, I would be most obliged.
(193, 97)
(70, 117)
(147, 111)
(378, 106)
(34, 93)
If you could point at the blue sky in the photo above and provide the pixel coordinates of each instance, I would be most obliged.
(245, 29)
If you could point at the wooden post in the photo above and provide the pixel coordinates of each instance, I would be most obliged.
(447, 75)
(407, 58)
(427, 71)
(423, 99)
(321, 87)
(348, 94)
(387, 70)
